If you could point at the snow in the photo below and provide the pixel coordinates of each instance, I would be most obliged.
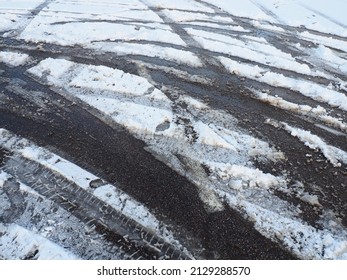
(234, 168)
(13, 58)
(188, 5)
(13, 12)
(101, 78)
(209, 137)
(141, 118)
(141, 112)
(87, 33)
(309, 89)
(322, 16)
(150, 50)
(3, 178)
(202, 18)
(102, 10)
(270, 27)
(317, 113)
(60, 67)
(252, 49)
(333, 154)
(82, 178)
(305, 241)
(125, 204)
(244, 8)
(324, 40)
(17, 243)
(195, 135)
(331, 58)
(253, 176)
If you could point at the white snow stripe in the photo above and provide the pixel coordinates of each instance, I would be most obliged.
(333, 154)
(309, 89)
(305, 110)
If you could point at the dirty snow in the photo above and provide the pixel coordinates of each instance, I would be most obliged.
(307, 88)
(3, 178)
(201, 143)
(317, 112)
(333, 154)
(304, 240)
(252, 49)
(214, 142)
(150, 50)
(82, 178)
(17, 242)
(13, 58)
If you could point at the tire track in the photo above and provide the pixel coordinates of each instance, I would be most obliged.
(146, 181)
(323, 15)
(135, 239)
(33, 14)
(189, 40)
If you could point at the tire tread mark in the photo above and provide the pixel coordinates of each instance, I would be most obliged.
(136, 239)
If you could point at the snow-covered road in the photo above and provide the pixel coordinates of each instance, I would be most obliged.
(212, 129)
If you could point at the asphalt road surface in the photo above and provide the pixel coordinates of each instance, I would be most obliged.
(229, 171)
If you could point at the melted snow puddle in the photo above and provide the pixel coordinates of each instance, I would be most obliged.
(205, 146)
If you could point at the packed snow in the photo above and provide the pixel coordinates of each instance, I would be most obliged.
(318, 112)
(333, 154)
(13, 58)
(14, 12)
(252, 49)
(17, 242)
(310, 89)
(316, 15)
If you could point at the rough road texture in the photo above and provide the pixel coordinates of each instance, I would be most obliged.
(50, 114)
